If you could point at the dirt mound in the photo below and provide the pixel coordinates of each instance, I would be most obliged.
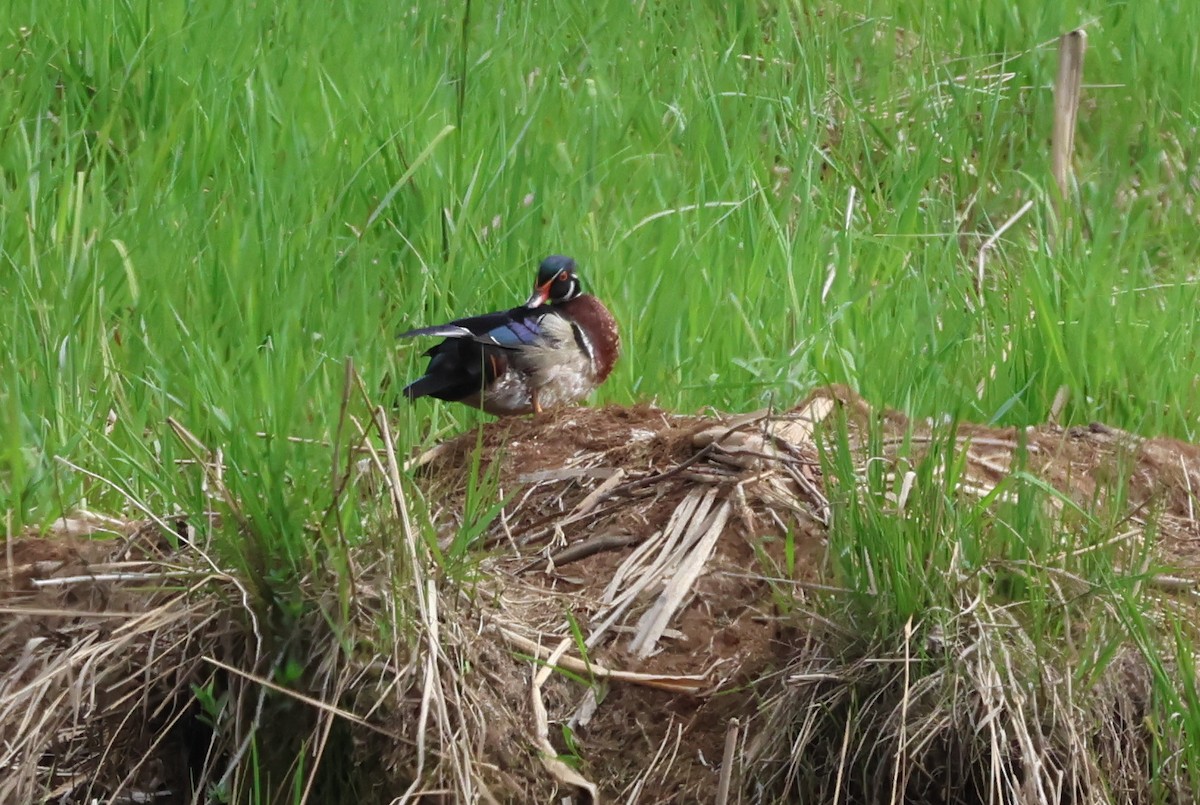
(649, 543)
(671, 545)
(641, 620)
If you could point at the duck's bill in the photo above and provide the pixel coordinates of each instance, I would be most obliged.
(539, 296)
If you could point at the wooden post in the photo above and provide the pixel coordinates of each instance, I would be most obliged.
(1067, 86)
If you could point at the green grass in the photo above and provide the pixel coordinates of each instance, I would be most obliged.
(207, 209)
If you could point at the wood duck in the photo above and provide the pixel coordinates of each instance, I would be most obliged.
(555, 349)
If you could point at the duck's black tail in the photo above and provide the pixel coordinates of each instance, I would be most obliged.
(426, 386)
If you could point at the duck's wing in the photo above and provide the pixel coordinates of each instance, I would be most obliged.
(475, 352)
(514, 329)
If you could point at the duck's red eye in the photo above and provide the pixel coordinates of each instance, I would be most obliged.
(563, 276)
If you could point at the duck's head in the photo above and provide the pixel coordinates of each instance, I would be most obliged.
(556, 282)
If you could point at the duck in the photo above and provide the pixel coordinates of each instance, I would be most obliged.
(553, 350)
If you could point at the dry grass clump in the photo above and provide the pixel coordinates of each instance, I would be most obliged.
(628, 604)
(987, 714)
(102, 641)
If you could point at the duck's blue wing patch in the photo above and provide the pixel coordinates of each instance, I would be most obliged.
(514, 334)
